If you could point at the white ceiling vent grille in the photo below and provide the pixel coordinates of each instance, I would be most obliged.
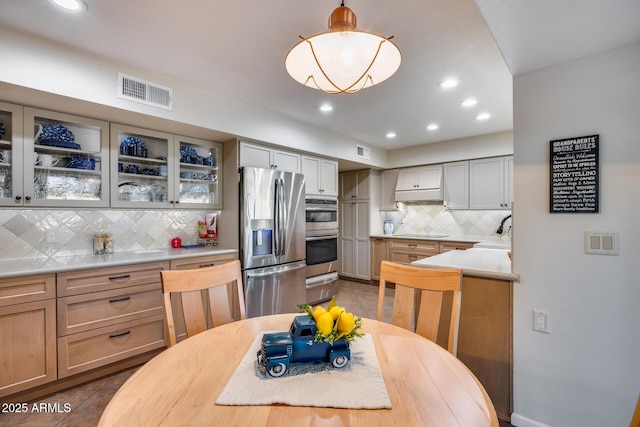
(144, 92)
(363, 152)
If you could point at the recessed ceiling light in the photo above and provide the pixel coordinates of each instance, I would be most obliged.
(469, 102)
(391, 134)
(448, 83)
(432, 126)
(75, 5)
(325, 108)
(483, 116)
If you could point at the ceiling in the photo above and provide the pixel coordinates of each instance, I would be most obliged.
(237, 49)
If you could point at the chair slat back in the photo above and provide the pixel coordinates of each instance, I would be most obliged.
(419, 299)
(205, 297)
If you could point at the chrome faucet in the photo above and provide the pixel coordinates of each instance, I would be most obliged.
(501, 227)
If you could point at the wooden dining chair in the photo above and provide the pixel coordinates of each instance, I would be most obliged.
(420, 294)
(202, 310)
(635, 420)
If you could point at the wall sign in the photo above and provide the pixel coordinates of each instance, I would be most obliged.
(575, 175)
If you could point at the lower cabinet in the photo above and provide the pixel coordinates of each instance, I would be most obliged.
(27, 333)
(379, 253)
(111, 314)
(485, 337)
(406, 251)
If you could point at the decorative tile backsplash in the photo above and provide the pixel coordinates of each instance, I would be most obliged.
(435, 219)
(23, 232)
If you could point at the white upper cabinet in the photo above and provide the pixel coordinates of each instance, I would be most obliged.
(269, 158)
(321, 176)
(456, 185)
(388, 189)
(421, 177)
(490, 183)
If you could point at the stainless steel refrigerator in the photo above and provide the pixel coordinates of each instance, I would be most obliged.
(272, 240)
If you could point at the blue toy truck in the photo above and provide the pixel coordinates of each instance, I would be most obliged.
(280, 349)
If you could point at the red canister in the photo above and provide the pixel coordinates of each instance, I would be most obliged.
(176, 242)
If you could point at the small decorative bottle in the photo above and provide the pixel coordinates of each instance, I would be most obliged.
(388, 226)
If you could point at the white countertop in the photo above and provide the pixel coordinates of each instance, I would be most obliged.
(489, 240)
(479, 262)
(59, 264)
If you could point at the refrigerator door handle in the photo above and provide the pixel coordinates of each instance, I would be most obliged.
(276, 215)
(280, 217)
(276, 271)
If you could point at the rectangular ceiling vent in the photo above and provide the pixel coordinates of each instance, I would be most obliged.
(363, 152)
(144, 92)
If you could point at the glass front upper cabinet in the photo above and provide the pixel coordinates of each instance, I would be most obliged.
(11, 193)
(65, 160)
(141, 168)
(198, 173)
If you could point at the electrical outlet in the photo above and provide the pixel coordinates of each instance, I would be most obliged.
(541, 321)
(50, 236)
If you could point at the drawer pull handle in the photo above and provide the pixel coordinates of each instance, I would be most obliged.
(120, 335)
(126, 276)
(119, 299)
(413, 256)
(413, 245)
(207, 265)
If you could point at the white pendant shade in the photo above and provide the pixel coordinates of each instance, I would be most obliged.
(343, 61)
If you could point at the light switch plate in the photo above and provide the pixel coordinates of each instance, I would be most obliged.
(601, 242)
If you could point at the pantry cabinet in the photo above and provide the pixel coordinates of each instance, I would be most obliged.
(27, 332)
(355, 185)
(152, 169)
(320, 175)
(261, 156)
(354, 240)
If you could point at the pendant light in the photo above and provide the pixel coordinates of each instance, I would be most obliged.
(343, 59)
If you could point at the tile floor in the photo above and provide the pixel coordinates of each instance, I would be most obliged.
(87, 401)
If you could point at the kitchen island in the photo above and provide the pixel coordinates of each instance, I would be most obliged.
(485, 334)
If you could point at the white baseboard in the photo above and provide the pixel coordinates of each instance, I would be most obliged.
(520, 421)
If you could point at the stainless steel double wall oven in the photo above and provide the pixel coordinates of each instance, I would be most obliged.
(322, 248)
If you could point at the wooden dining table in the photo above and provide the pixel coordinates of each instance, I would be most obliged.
(427, 386)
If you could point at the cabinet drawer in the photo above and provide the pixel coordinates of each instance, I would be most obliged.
(200, 262)
(27, 289)
(430, 247)
(455, 246)
(80, 313)
(87, 350)
(102, 279)
(407, 258)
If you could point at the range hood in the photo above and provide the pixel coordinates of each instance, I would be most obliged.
(422, 183)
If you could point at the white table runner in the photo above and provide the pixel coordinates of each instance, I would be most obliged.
(359, 385)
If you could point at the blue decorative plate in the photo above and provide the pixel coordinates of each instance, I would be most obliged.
(186, 151)
(133, 146)
(58, 136)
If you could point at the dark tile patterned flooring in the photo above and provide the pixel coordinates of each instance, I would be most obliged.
(82, 406)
